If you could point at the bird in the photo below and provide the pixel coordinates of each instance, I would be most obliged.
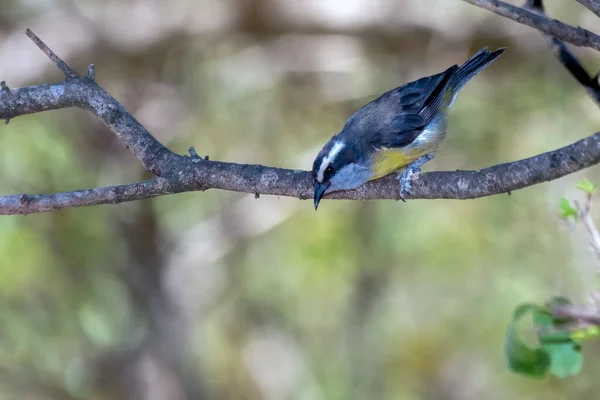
(397, 132)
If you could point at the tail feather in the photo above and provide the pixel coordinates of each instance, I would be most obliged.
(472, 67)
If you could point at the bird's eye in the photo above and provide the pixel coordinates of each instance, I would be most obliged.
(329, 170)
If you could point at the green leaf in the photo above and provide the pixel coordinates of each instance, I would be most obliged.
(564, 352)
(521, 358)
(542, 319)
(546, 326)
(566, 210)
(586, 186)
(566, 358)
(591, 332)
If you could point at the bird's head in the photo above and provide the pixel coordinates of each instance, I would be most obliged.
(338, 166)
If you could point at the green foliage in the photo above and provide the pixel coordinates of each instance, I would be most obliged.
(558, 351)
(567, 210)
(590, 332)
(557, 340)
(586, 186)
(522, 358)
(558, 348)
(566, 358)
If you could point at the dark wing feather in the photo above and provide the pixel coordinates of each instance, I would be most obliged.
(419, 101)
(437, 95)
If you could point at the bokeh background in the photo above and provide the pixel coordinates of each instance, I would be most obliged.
(218, 295)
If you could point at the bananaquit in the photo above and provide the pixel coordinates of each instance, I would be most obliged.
(401, 129)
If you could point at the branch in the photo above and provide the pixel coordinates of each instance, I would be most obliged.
(258, 179)
(575, 35)
(69, 73)
(30, 204)
(578, 313)
(177, 173)
(585, 215)
(84, 93)
(592, 5)
(566, 58)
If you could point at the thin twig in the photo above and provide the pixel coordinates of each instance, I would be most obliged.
(579, 313)
(585, 215)
(566, 58)
(69, 73)
(39, 203)
(592, 5)
(594, 235)
(575, 35)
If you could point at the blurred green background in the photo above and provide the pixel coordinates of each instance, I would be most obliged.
(217, 295)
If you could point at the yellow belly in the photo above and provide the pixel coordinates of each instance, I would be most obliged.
(387, 161)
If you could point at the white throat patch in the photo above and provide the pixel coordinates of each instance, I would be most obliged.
(337, 147)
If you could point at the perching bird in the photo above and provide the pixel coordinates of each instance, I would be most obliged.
(401, 129)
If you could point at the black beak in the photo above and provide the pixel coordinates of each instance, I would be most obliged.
(320, 189)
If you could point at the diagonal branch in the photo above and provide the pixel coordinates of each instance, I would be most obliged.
(575, 35)
(566, 58)
(69, 73)
(86, 94)
(177, 174)
(592, 5)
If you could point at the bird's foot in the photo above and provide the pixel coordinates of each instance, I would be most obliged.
(406, 174)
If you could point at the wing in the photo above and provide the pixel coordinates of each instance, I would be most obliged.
(418, 103)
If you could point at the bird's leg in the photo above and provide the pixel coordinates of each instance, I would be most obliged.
(406, 174)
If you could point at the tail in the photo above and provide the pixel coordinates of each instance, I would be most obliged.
(472, 67)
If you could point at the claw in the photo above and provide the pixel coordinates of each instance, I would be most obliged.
(405, 176)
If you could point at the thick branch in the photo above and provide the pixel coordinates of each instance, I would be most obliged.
(592, 5)
(575, 35)
(566, 58)
(182, 173)
(258, 179)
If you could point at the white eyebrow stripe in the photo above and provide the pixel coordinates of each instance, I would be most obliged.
(337, 147)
